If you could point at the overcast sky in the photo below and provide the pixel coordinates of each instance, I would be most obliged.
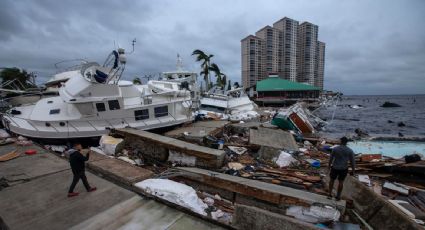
(372, 47)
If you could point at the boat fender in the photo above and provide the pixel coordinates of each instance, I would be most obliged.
(31, 152)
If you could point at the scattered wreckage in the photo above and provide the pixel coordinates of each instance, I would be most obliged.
(222, 171)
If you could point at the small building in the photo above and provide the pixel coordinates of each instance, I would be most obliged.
(278, 91)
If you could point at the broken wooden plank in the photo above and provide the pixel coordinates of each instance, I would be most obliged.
(296, 174)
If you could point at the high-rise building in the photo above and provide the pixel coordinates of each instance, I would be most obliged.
(289, 49)
(307, 42)
(270, 36)
(252, 48)
(320, 64)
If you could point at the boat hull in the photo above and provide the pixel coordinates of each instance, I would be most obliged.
(95, 132)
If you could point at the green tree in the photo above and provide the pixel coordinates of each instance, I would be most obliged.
(137, 81)
(220, 77)
(201, 56)
(21, 78)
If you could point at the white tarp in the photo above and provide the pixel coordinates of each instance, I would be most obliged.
(174, 192)
(285, 159)
(108, 144)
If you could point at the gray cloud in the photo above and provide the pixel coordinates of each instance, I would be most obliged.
(372, 47)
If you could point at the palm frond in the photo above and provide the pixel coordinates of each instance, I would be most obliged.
(198, 52)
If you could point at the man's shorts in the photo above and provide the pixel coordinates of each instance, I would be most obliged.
(339, 174)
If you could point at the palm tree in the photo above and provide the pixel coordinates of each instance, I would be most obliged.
(221, 78)
(201, 56)
(137, 81)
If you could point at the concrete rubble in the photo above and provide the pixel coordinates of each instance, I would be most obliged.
(269, 173)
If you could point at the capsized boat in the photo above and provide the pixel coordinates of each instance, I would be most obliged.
(94, 100)
(230, 101)
(298, 118)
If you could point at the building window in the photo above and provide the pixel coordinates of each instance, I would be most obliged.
(141, 114)
(161, 111)
(100, 107)
(54, 111)
(114, 105)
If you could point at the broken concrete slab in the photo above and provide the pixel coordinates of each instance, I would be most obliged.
(120, 171)
(94, 156)
(272, 138)
(243, 128)
(31, 166)
(374, 208)
(205, 157)
(248, 217)
(271, 193)
(195, 132)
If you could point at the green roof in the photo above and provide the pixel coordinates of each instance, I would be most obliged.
(279, 84)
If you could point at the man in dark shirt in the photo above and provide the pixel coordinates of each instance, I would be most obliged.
(338, 165)
(77, 162)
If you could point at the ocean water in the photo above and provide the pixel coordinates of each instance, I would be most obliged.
(374, 119)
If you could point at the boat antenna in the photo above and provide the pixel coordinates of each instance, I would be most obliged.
(132, 44)
(179, 64)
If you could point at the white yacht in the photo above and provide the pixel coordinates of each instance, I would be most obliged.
(94, 100)
(227, 102)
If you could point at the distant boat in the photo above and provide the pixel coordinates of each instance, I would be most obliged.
(185, 80)
(94, 100)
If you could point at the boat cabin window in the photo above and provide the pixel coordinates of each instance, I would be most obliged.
(114, 105)
(100, 107)
(161, 111)
(141, 114)
(54, 111)
(86, 108)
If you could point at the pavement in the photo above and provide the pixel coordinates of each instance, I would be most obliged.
(36, 198)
